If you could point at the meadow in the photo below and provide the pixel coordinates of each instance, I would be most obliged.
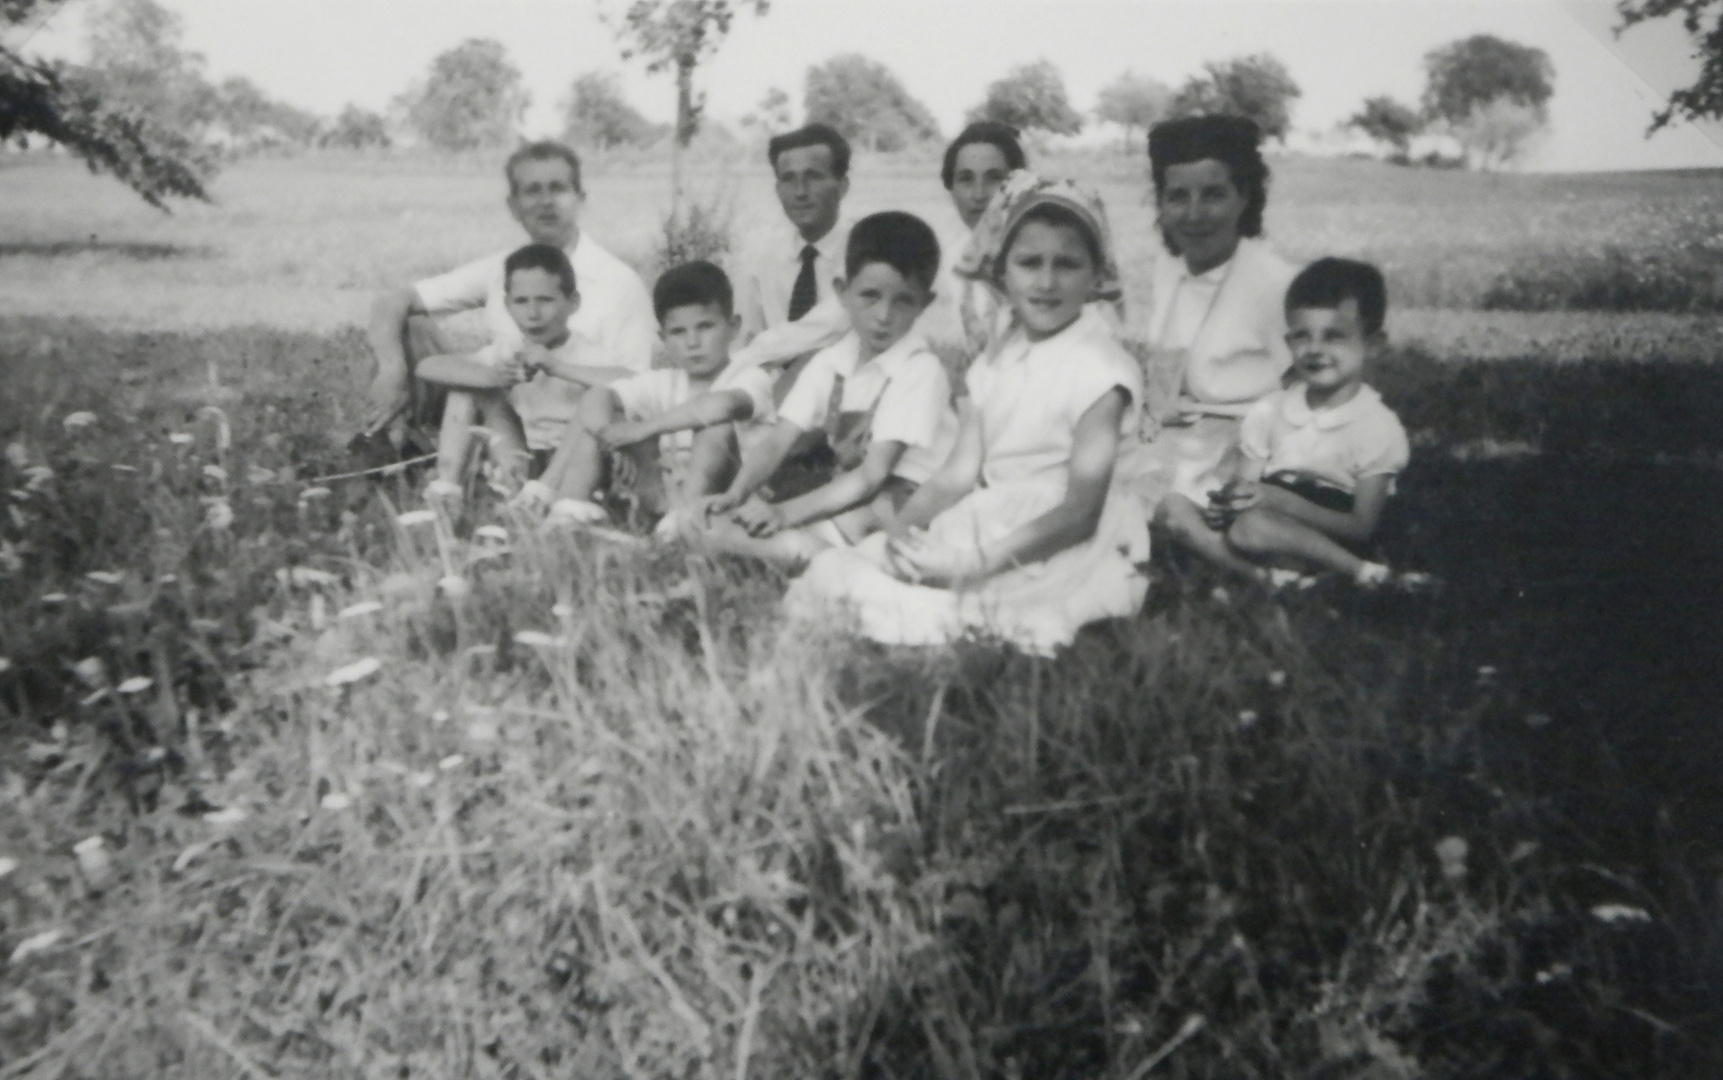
(381, 797)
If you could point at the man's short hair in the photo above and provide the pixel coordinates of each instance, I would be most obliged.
(812, 135)
(1329, 281)
(693, 284)
(543, 150)
(547, 257)
(901, 240)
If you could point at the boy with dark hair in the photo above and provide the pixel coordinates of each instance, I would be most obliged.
(879, 395)
(1317, 459)
(690, 410)
(521, 394)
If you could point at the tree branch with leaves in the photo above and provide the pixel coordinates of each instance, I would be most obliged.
(1703, 21)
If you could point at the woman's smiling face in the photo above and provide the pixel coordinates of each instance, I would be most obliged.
(1050, 273)
(1200, 208)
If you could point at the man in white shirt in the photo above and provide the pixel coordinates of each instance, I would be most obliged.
(613, 327)
(783, 279)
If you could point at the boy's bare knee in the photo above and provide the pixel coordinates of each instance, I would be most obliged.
(598, 407)
(1252, 533)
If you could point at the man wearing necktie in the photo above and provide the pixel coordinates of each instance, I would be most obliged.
(788, 269)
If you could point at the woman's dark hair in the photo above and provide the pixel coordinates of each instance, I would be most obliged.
(1003, 136)
(1050, 213)
(1234, 141)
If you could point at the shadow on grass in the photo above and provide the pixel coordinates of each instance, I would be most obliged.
(138, 250)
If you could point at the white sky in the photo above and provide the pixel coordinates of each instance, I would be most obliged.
(321, 54)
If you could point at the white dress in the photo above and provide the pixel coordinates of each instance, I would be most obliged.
(1028, 398)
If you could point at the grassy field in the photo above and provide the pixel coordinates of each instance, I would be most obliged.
(381, 799)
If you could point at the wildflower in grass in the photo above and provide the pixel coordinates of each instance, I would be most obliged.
(216, 473)
(37, 477)
(311, 493)
(218, 515)
(78, 421)
(363, 607)
(36, 943)
(421, 779)
(411, 518)
(94, 863)
(562, 611)
(1451, 851)
(5, 665)
(306, 576)
(137, 684)
(54, 598)
(231, 815)
(91, 671)
(455, 587)
(482, 731)
(104, 577)
(352, 673)
(1247, 718)
(1614, 913)
(257, 474)
(441, 716)
(335, 800)
(117, 467)
(182, 438)
(1522, 851)
(17, 455)
(537, 639)
(453, 761)
(495, 534)
(1276, 680)
(191, 853)
(7, 865)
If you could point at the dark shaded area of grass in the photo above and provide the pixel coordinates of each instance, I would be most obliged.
(1227, 808)
(1688, 279)
(140, 251)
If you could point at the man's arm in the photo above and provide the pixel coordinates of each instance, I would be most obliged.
(388, 392)
(821, 326)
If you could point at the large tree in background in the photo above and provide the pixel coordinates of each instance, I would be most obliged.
(252, 120)
(597, 114)
(1388, 122)
(1258, 87)
(772, 114)
(356, 129)
(68, 106)
(472, 98)
(680, 34)
(1134, 102)
(1491, 94)
(136, 57)
(866, 102)
(1030, 97)
(1703, 21)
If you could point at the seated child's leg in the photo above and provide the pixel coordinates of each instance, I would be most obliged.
(507, 438)
(713, 461)
(648, 472)
(1263, 534)
(789, 550)
(455, 436)
(1183, 521)
(577, 469)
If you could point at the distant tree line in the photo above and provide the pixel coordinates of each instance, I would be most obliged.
(143, 108)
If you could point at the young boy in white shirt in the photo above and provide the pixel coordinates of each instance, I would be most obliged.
(690, 410)
(880, 396)
(1317, 459)
(521, 394)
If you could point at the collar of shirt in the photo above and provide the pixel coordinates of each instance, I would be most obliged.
(1296, 410)
(830, 246)
(1211, 278)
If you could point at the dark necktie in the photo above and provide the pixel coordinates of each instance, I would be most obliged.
(806, 290)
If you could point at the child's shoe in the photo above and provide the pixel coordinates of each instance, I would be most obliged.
(444, 496)
(576, 512)
(534, 497)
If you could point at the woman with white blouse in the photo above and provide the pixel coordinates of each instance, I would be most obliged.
(1217, 317)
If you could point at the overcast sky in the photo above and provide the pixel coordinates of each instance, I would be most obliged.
(322, 54)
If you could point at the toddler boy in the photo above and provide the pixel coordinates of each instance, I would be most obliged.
(690, 410)
(879, 395)
(1317, 459)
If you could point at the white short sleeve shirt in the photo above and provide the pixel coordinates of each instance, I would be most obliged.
(765, 273)
(613, 327)
(651, 394)
(1028, 397)
(544, 403)
(1339, 446)
(904, 391)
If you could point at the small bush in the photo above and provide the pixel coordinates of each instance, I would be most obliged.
(697, 230)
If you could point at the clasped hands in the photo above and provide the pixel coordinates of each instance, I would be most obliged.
(1231, 499)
